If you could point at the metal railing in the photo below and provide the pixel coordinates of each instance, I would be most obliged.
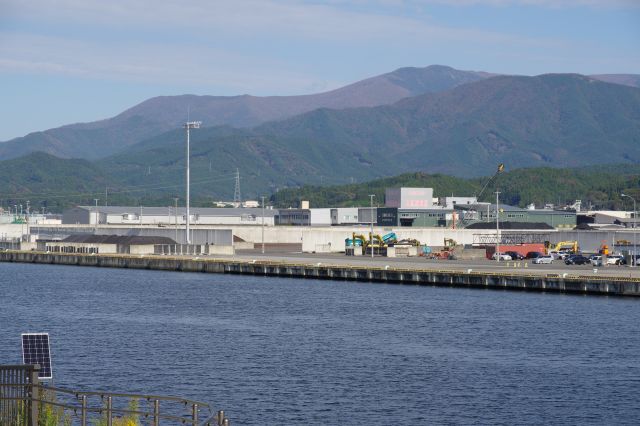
(26, 402)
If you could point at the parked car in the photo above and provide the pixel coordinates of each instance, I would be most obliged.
(534, 254)
(562, 255)
(545, 258)
(501, 256)
(577, 259)
(514, 255)
(596, 260)
(615, 259)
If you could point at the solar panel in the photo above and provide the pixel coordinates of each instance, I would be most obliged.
(35, 350)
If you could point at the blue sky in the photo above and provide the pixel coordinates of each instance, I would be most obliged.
(69, 61)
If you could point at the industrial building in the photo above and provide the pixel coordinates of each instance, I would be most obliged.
(451, 202)
(484, 212)
(101, 244)
(167, 216)
(426, 217)
(409, 198)
(304, 217)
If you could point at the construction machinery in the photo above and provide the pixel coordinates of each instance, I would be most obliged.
(376, 241)
(357, 240)
(491, 179)
(447, 251)
(390, 238)
(569, 246)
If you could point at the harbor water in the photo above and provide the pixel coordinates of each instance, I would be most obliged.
(280, 351)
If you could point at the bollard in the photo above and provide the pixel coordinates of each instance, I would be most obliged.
(526, 265)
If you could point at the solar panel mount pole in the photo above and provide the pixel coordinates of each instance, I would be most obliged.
(35, 381)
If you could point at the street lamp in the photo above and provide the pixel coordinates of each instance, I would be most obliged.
(188, 126)
(371, 234)
(95, 228)
(497, 227)
(262, 224)
(633, 258)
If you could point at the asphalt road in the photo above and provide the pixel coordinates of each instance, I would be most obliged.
(483, 265)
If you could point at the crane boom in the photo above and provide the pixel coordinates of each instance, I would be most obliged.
(491, 179)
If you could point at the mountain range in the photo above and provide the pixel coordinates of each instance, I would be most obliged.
(157, 115)
(554, 120)
(160, 114)
(434, 119)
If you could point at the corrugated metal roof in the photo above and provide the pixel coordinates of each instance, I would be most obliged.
(126, 240)
(492, 207)
(510, 225)
(164, 211)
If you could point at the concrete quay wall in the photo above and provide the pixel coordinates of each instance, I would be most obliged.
(616, 286)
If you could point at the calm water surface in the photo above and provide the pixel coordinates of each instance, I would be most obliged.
(304, 352)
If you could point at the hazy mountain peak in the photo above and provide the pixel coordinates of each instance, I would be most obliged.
(159, 114)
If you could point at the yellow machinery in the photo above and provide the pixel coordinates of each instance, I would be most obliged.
(447, 250)
(376, 241)
(357, 240)
(450, 242)
(572, 246)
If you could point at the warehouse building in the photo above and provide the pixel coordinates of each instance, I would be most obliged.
(409, 198)
(426, 217)
(101, 244)
(485, 212)
(303, 217)
(119, 215)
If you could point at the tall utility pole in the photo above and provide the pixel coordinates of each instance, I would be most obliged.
(633, 257)
(27, 217)
(96, 227)
(176, 214)
(237, 199)
(497, 226)
(188, 126)
(371, 233)
(262, 224)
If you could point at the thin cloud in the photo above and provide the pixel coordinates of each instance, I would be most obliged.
(266, 18)
(149, 63)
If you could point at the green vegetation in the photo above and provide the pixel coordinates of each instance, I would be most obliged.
(127, 420)
(57, 184)
(598, 186)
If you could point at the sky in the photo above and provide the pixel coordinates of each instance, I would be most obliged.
(69, 61)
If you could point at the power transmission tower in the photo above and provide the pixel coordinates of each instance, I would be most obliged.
(237, 200)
